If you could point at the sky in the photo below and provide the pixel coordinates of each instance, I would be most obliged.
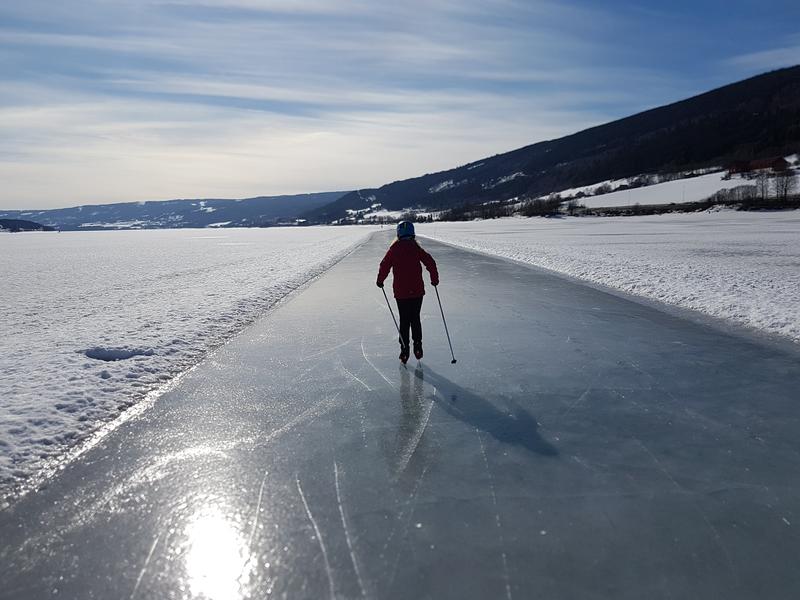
(126, 100)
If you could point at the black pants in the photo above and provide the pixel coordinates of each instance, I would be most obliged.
(409, 317)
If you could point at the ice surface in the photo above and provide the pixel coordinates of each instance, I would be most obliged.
(584, 446)
(94, 321)
(741, 266)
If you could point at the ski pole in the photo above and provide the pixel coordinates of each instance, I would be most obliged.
(396, 326)
(452, 362)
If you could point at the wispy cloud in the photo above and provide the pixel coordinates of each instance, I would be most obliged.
(112, 150)
(785, 56)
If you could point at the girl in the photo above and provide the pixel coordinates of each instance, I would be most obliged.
(403, 258)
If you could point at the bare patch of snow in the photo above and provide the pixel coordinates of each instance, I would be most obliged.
(502, 180)
(440, 186)
(445, 185)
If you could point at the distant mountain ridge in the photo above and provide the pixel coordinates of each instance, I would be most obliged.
(755, 118)
(249, 212)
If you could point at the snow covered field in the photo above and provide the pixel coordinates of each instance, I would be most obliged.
(678, 191)
(741, 266)
(94, 321)
(692, 189)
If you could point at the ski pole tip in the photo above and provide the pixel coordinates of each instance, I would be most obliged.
(452, 362)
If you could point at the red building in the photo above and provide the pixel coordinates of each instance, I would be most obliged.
(776, 164)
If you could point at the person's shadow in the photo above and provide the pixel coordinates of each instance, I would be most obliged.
(515, 426)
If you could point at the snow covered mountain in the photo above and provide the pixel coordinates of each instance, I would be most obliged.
(171, 214)
(755, 118)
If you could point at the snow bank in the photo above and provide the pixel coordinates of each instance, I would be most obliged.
(93, 322)
(741, 266)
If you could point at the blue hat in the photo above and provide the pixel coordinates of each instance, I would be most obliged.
(405, 229)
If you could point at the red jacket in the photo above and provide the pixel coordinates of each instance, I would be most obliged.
(404, 258)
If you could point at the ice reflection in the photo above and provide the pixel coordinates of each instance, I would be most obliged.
(217, 557)
(413, 420)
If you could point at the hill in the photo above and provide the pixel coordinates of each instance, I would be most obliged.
(250, 212)
(17, 225)
(754, 118)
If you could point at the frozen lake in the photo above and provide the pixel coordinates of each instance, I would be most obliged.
(94, 321)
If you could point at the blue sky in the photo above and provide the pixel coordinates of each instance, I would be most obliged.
(106, 101)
